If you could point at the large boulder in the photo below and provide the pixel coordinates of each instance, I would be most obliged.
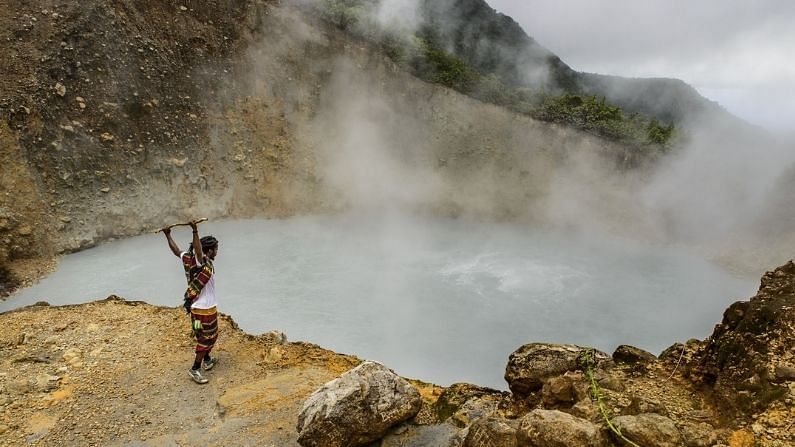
(357, 408)
(649, 430)
(529, 366)
(631, 355)
(553, 428)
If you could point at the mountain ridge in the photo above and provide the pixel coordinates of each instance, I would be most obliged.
(674, 101)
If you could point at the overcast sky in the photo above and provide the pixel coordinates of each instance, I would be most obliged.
(740, 53)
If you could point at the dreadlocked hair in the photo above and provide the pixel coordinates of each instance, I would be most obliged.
(207, 242)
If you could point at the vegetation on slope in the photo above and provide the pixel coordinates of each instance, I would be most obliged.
(422, 52)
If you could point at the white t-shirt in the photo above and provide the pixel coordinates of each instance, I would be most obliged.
(207, 297)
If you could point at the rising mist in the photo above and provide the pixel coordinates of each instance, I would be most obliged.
(385, 140)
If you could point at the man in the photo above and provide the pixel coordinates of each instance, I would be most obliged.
(200, 299)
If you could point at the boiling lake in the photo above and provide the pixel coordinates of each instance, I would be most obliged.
(441, 300)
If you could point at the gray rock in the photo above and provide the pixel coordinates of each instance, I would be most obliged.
(459, 438)
(631, 355)
(641, 405)
(441, 435)
(529, 366)
(356, 408)
(552, 428)
(649, 430)
(699, 435)
(492, 432)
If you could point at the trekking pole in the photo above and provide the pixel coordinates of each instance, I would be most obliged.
(181, 224)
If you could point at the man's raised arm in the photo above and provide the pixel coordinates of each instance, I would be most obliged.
(197, 243)
(171, 244)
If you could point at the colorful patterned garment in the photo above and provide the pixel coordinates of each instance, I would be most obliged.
(208, 334)
(197, 276)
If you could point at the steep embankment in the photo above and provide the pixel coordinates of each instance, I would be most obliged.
(111, 107)
(114, 372)
(117, 118)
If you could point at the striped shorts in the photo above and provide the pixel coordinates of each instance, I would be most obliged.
(208, 334)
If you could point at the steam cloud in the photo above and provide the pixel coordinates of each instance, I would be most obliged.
(388, 141)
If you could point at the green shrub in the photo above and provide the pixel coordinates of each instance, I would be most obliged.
(656, 133)
(593, 114)
(446, 69)
(345, 14)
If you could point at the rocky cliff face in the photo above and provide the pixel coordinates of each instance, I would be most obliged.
(118, 118)
(750, 358)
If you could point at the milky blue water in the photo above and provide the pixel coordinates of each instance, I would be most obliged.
(436, 299)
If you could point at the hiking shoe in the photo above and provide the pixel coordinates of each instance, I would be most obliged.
(197, 376)
(208, 364)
